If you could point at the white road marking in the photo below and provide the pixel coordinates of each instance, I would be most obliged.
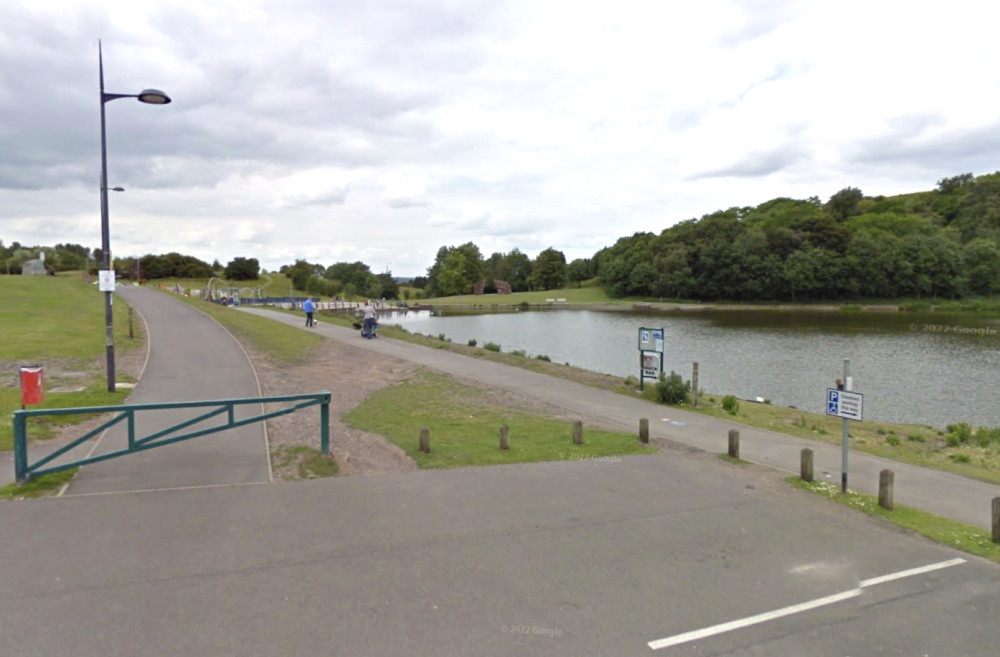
(913, 571)
(752, 620)
(795, 609)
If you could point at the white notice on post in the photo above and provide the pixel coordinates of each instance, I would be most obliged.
(106, 280)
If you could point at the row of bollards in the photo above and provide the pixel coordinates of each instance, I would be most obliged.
(886, 483)
(425, 435)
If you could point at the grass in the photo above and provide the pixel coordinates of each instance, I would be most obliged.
(464, 425)
(921, 445)
(576, 295)
(308, 461)
(39, 486)
(58, 322)
(287, 345)
(960, 536)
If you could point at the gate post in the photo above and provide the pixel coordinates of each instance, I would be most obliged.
(324, 425)
(20, 448)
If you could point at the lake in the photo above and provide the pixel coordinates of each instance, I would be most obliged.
(927, 368)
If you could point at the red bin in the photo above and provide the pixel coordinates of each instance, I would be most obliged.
(32, 391)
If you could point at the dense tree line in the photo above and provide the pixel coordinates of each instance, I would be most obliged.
(347, 279)
(940, 243)
(457, 269)
(61, 257)
(943, 243)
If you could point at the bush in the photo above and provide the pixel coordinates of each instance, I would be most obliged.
(520, 352)
(543, 357)
(986, 436)
(472, 342)
(673, 389)
(730, 404)
(491, 346)
(959, 433)
(893, 440)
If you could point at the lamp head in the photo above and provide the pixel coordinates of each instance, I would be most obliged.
(153, 97)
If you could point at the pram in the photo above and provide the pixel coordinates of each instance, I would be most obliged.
(361, 327)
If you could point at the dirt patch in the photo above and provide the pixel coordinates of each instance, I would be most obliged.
(350, 374)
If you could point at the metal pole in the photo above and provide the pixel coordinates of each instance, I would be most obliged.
(844, 441)
(105, 234)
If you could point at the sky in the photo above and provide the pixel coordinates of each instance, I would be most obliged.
(380, 131)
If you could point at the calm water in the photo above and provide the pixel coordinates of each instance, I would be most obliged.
(929, 369)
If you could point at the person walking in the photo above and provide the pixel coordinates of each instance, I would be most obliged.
(309, 308)
(370, 318)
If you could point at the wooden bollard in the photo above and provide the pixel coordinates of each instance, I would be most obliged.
(885, 482)
(504, 440)
(425, 440)
(644, 431)
(694, 385)
(734, 443)
(996, 519)
(577, 432)
(806, 465)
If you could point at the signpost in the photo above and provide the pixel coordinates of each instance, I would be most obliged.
(842, 402)
(650, 354)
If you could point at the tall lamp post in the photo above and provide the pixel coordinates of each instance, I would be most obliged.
(107, 278)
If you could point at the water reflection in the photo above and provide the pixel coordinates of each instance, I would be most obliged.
(930, 369)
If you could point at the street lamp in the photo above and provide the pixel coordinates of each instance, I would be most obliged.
(153, 97)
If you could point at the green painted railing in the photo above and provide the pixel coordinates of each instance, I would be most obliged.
(127, 412)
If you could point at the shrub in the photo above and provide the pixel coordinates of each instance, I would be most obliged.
(959, 458)
(491, 346)
(673, 389)
(961, 432)
(893, 440)
(520, 352)
(472, 342)
(730, 404)
(915, 437)
(986, 436)
(543, 357)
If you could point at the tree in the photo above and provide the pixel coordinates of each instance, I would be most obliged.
(982, 266)
(242, 269)
(578, 270)
(300, 273)
(548, 271)
(844, 203)
(456, 270)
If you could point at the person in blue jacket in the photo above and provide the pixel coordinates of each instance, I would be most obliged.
(309, 308)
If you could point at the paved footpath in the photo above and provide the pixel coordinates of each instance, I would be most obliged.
(191, 357)
(938, 492)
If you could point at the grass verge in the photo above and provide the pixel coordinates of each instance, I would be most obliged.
(465, 422)
(960, 536)
(39, 486)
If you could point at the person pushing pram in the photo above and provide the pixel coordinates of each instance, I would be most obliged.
(370, 327)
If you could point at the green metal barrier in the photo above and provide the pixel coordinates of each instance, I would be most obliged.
(23, 471)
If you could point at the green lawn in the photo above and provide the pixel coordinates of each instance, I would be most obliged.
(464, 425)
(58, 322)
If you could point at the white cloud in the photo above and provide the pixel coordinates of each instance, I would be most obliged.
(381, 131)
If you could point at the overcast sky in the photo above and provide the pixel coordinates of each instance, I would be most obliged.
(381, 130)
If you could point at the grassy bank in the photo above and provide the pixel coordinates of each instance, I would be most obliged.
(464, 427)
(58, 322)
